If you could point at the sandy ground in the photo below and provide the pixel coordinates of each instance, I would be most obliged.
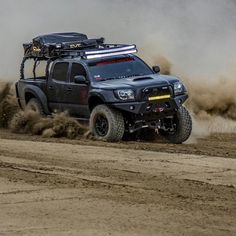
(81, 187)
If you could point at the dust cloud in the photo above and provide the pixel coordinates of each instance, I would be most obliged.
(8, 104)
(212, 103)
(59, 125)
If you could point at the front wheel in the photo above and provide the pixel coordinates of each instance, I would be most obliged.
(107, 123)
(182, 124)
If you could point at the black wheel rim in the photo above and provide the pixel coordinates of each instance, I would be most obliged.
(101, 125)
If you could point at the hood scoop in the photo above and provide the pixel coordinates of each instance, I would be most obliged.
(142, 78)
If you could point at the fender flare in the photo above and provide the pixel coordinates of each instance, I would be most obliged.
(40, 95)
(95, 94)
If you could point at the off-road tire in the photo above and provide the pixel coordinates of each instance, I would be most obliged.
(183, 129)
(115, 121)
(35, 105)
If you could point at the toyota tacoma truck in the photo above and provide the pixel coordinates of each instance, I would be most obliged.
(105, 84)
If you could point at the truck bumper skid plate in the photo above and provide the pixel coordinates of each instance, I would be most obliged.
(163, 104)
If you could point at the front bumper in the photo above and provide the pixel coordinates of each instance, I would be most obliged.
(162, 106)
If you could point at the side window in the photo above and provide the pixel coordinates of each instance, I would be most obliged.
(40, 69)
(77, 69)
(60, 71)
(28, 69)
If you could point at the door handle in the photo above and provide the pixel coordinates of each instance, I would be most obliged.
(50, 87)
(69, 89)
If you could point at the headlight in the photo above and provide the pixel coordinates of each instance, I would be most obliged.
(178, 88)
(125, 94)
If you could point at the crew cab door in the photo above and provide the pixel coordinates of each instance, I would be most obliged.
(57, 86)
(77, 96)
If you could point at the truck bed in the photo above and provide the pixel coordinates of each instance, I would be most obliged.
(24, 84)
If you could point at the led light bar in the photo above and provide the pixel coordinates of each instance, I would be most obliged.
(124, 48)
(111, 54)
(158, 97)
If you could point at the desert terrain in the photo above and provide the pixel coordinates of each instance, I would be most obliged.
(52, 186)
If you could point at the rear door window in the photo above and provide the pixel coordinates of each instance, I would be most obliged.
(60, 71)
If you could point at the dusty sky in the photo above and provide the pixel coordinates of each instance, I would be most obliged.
(197, 36)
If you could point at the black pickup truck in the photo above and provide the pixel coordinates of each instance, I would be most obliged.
(106, 84)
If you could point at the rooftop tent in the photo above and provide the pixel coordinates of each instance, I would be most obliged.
(44, 45)
(59, 38)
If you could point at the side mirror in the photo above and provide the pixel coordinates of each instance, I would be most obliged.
(79, 79)
(156, 69)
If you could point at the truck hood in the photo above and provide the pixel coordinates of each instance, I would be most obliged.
(136, 82)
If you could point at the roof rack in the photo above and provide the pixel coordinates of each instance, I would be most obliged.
(75, 45)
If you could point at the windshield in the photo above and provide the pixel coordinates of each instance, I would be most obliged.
(119, 68)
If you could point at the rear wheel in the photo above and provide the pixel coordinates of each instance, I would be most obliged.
(182, 124)
(107, 124)
(35, 105)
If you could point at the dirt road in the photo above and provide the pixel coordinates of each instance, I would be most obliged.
(68, 188)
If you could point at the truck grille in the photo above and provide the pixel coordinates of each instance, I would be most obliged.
(156, 91)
